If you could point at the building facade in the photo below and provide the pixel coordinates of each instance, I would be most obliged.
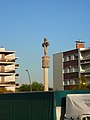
(8, 68)
(70, 65)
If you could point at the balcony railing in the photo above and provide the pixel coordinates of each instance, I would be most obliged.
(85, 62)
(6, 74)
(17, 75)
(16, 65)
(9, 71)
(7, 60)
(86, 57)
(86, 71)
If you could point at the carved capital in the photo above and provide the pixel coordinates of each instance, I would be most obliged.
(45, 62)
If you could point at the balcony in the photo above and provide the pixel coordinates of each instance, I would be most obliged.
(6, 62)
(17, 76)
(17, 85)
(85, 58)
(16, 66)
(70, 75)
(85, 62)
(7, 84)
(86, 73)
(9, 70)
(6, 74)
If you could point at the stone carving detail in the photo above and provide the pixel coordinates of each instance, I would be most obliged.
(46, 62)
(45, 45)
(45, 58)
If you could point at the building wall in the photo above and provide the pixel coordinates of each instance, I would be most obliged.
(85, 63)
(70, 68)
(58, 71)
(7, 69)
(75, 63)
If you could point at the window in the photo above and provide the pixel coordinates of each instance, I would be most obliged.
(69, 82)
(66, 82)
(75, 57)
(75, 69)
(72, 82)
(71, 69)
(72, 57)
(66, 58)
(66, 70)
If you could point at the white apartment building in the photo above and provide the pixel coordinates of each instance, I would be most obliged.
(8, 68)
(68, 66)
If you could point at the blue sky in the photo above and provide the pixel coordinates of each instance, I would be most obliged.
(25, 23)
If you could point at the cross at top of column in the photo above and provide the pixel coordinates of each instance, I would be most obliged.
(45, 45)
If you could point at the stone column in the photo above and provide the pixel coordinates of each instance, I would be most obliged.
(45, 64)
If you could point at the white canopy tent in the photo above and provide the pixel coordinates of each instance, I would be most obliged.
(77, 104)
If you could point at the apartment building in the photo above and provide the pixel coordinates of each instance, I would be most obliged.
(8, 68)
(70, 65)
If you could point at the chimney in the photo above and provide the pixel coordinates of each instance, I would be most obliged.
(80, 44)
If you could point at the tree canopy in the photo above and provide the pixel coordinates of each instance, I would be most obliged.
(83, 84)
(37, 86)
(34, 87)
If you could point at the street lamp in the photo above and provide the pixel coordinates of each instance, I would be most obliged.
(29, 79)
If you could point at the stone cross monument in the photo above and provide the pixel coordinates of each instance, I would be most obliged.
(45, 63)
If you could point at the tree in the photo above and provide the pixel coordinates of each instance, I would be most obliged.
(37, 86)
(4, 90)
(24, 87)
(83, 82)
(83, 85)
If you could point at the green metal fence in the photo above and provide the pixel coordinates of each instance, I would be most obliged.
(34, 105)
(26, 106)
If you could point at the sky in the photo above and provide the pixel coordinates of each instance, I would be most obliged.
(25, 23)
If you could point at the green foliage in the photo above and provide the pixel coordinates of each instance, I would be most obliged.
(24, 87)
(83, 85)
(4, 90)
(37, 86)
